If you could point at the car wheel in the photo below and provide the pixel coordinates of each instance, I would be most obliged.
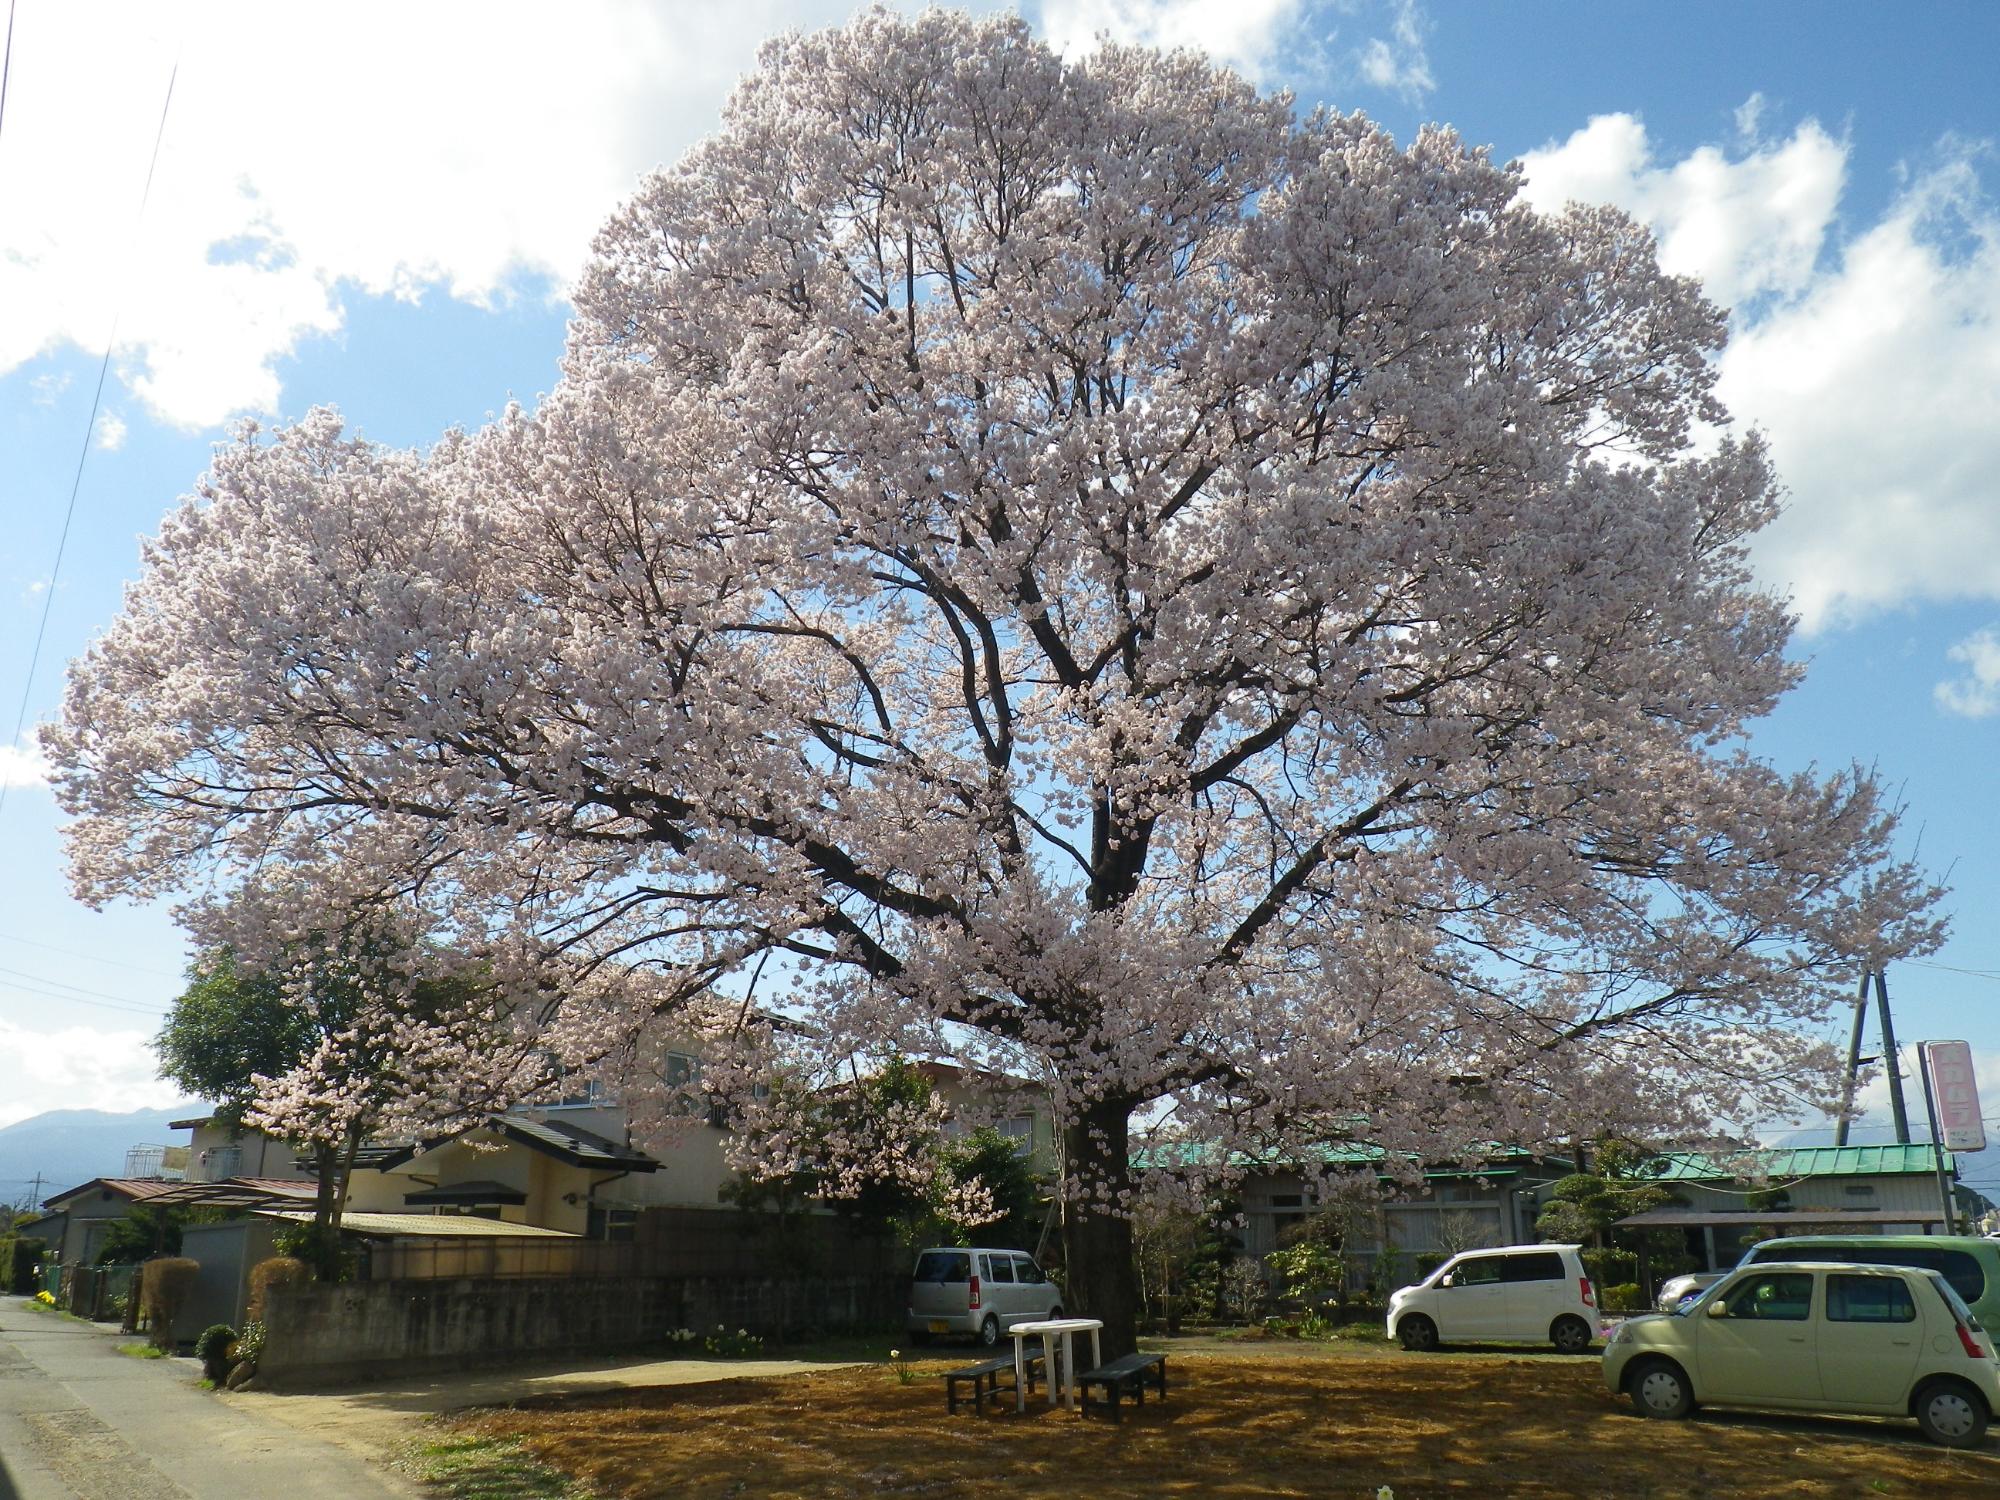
(1659, 1388)
(1418, 1333)
(1570, 1335)
(921, 1336)
(1951, 1413)
(1055, 1312)
(989, 1331)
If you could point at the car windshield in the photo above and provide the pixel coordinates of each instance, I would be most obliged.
(1688, 1306)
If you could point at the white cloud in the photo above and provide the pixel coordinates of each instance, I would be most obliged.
(1247, 35)
(23, 765)
(455, 147)
(1880, 387)
(1744, 225)
(1871, 359)
(110, 432)
(1976, 694)
(1399, 62)
(78, 1067)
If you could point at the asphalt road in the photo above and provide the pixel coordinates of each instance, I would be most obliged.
(80, 1421)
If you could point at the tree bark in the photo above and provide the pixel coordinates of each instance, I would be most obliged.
(1098, 1240)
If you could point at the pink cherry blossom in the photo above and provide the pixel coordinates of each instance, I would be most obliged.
(1073, 567)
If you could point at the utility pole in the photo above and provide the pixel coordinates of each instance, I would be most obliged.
(1846, 1116)
(1872, 973)
(1889, 1056)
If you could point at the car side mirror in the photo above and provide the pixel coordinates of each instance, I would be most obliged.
(1718, 1309)
(1445, 1280)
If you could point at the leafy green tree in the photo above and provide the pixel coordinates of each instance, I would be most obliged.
(143, 1233)
(1584, 1206)
(232, 1025)
(326, 1034)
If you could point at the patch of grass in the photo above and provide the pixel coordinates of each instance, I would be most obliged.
(1361, 1333)
(469, 1467)
(142, 1351)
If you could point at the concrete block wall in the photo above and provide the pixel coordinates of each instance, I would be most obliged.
(321, 1335)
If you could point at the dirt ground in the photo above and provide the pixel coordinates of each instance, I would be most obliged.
(1250, 1422)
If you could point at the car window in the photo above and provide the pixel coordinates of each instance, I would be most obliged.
(1782, 1295)
(944, 1266)
(1484, 1271)
(1543, 1266)
(1955, 1302)
(1025, 1270)
(1869, 1299)
(1958, 1267)
(1002, 1268)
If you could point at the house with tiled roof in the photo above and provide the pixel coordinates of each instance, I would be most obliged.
(75, 1221)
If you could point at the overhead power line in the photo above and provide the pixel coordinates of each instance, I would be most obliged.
(115, 963)
(7, 63)
(90, 427)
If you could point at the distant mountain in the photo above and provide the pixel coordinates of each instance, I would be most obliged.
(71, 1146)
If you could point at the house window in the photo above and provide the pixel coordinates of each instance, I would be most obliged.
(619, 1224)
(1021, 1131)
(680, 1072)
(1288, 1210)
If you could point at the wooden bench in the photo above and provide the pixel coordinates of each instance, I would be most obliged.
(984, 1378)
(1129, 1374)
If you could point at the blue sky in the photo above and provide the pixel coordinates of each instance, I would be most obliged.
(393, 232)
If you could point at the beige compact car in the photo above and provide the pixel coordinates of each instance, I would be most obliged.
(1884, 1341)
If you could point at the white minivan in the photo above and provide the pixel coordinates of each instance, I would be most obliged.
(982, 1292)
(1523, 1294)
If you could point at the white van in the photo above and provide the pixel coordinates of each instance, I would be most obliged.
(982, 1292)
(1524, 1294)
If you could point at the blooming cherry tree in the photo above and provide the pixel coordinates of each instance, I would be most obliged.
(1071, 567)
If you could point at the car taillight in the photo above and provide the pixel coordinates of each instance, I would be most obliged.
(973, 1304)
(1971, 1344)
(1583, 1290)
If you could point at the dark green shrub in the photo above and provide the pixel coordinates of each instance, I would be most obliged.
(1609, 1268)
(1623, 1297)
(1429, 1260)
(18, 1258)
(163, 1293)
(213, 1349)
(143, 1234)
(326, 1250)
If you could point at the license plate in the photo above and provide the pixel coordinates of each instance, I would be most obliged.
(938, 1325)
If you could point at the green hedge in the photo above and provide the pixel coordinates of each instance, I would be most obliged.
(19, 1256)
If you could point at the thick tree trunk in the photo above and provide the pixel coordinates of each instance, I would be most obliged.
(1098, 1236)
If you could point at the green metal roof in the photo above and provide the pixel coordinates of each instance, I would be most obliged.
(1803, 1161)
(1504, 1161)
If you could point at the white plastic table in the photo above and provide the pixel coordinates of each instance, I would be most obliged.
(1049, 1329)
